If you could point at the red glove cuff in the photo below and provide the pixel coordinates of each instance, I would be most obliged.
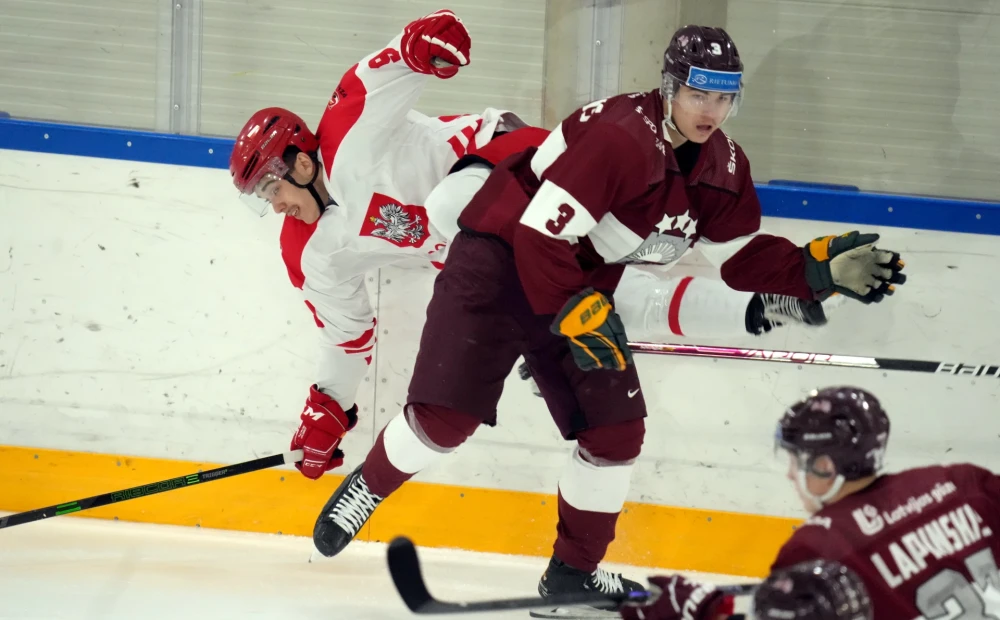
(337, 422)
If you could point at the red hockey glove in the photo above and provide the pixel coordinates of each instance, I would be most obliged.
(851, 265)
(438, 35)
(680, 598)
(324, 424)
(594, 330)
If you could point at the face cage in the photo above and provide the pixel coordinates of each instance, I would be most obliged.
(669, 87)
(264, 183)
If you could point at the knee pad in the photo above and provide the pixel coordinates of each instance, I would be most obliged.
(422, 434)
(599, 473)
(439, 426)
(614, 444)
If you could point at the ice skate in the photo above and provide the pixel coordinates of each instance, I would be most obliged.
(344, 514)
(560, 578)
(767, 311)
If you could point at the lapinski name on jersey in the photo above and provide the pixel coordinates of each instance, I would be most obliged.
(968, 369)
(940, 538)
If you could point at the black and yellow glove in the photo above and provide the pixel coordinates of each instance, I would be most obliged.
(595, 332)
(851, 265)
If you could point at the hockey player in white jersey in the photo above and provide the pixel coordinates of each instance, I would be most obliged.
(379, 160)
(365, 190)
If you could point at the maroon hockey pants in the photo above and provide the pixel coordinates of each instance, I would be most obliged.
(478, 325)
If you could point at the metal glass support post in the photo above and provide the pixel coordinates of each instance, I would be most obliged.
(164, 63)
(607, 41)
(185, 73)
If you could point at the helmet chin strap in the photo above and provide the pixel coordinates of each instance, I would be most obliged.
(669, 120)
(819, 500)
(310, 186)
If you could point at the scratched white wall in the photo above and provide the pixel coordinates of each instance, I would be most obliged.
(145, 311)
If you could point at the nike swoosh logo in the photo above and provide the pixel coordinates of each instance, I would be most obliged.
(632, 393)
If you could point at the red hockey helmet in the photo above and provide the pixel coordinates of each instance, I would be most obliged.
(814, 590)
(257, 155)
(703, 58)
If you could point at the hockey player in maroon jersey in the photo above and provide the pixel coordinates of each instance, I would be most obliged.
(813, 590)
(924, 540)
(533, 273)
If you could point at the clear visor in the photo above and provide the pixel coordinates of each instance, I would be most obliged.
(721, 104)
(265, 185)
(718, 105)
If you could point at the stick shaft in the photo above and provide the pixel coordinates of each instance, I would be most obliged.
(818, 359)
(162, 486)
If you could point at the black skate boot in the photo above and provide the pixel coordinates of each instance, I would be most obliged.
(766, 311)
(348, 509)
(560, 578)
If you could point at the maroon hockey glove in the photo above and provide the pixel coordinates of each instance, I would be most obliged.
(680, 598)
(595, 332)
(324, 424)
(438, 35)
(851, 265)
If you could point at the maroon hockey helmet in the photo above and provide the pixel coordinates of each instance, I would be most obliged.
(847, 424)
(695, 52)
(258, 153)
(703, 58)
(814, 590)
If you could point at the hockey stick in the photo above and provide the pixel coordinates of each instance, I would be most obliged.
(818, 359)
(407, 576)
(150, 489)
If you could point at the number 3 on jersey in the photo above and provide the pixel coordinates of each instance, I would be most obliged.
(385, 57)
(558, 223)
(592, 108)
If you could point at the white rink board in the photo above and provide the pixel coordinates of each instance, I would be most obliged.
(158, 321)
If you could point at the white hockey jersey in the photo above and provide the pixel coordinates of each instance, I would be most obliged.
(381, 160)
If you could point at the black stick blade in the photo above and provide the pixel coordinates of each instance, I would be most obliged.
(404, 567)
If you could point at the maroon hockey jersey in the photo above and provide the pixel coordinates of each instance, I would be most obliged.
(605, 189)
(924, 541)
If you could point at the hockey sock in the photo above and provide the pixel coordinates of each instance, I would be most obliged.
(590, 499)
(416, 438)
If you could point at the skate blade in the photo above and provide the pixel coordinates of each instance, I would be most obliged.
(581, 612)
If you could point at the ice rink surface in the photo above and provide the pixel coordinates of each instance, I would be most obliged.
(88, 569)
